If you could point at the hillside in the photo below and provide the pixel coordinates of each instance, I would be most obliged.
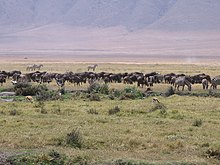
(103, 27)
(132, 14)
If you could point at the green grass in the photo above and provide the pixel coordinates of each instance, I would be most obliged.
(133, 134)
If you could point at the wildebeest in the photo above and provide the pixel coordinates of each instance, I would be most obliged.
(141, 81)
(2, 79)
(215, 81)
(168, 77)
(205, 84)
(93, 67)
(182, 81)
(199, 77)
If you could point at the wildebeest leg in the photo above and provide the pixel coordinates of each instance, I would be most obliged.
(178, 87)
(183, 88)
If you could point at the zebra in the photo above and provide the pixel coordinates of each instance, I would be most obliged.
(38, 66)
(92, 67)
(31, 67)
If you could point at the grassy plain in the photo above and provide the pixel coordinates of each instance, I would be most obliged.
(184, 133)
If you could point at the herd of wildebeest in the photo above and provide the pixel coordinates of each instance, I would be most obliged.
(141, 79)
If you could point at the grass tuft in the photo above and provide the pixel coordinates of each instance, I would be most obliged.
(114, 110)
(74, 139)
(197, 123)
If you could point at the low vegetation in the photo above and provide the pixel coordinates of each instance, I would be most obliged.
(111, 124)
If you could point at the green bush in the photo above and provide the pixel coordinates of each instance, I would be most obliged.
(45, 95)
(98, 88)
(131, 93)
(51, 158)
(25, 89)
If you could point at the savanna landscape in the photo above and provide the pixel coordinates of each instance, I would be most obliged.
(100, 82)
(115, 124)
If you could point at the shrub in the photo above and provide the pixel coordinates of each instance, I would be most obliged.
(54, 154)
(104, 89)
(98, 88)
(114, 110)
(74, 139)
(132, 93)
(197, 123)
(25, 89)
(169, 91)
(51, 158)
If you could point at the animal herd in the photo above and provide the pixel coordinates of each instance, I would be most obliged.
(139, 78)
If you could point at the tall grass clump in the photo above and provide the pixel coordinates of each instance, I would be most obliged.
(74, 138)
(41, 106)
(159, 106)
(197, 123)
(98, 88)
(114, 110)
(131, 93)
(92, 111)
(13, 112)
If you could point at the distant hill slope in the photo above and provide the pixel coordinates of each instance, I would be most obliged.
(170, 15)
(191, 15)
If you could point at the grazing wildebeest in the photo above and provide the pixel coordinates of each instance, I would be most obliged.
(2, 79)
(215, 81)
(199, 77)
(158, 78)
(168, 77)
(127, 80)
(46, 78)
(205, 83)
(60, 82)
(151, 80)
(182, 81)
(14, 72)
(141, 81)
(92, 67)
